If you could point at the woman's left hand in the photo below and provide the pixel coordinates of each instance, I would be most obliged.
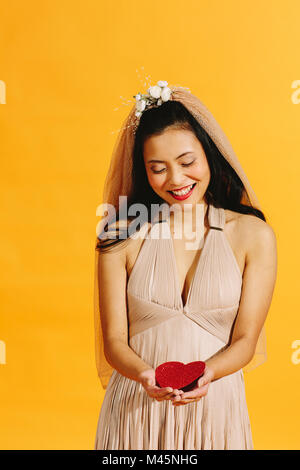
(198, 392)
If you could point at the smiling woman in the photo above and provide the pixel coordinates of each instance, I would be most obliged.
(183, 177)
(156, 302)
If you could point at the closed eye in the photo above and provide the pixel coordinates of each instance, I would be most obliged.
(187, 164)
(183, 164)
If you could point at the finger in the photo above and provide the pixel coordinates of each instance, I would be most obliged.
(184, 402)
(162, 391)
(196, 393)
(192, 394)
(177, 393)
(168, 396)
(202, 381)
(172, 395)
(166, 391)
(177, 399)
(163, 394)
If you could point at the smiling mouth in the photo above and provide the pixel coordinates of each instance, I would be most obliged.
(183, 192)
(184, 189)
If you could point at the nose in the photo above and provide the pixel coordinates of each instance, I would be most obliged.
(176, 178)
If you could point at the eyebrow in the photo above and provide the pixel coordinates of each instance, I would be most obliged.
(161, 161)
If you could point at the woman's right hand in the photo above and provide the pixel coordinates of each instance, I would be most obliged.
(148, 381)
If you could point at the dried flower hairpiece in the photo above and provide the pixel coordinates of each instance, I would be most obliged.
(155, 95)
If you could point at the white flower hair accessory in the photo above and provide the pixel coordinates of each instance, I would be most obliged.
(156, 95)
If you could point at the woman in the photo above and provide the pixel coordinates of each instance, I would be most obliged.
(160, 301)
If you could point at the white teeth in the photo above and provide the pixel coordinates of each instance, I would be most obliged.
(182, 192)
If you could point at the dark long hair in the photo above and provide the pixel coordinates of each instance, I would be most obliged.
(225, 188)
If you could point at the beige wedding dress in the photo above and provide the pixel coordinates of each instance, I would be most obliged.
(162, 328)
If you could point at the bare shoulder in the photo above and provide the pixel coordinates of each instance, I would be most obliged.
(254, 234)
(112, 233)
(126, 251)
(134, 244)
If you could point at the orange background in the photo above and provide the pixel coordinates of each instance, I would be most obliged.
(64, 65)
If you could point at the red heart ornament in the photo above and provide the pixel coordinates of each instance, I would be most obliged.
(179, 375)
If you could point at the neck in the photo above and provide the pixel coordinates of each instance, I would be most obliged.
(188, 217)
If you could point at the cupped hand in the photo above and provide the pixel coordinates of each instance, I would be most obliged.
(198, 392)
(148, 381)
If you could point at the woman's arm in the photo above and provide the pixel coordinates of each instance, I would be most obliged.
(113, 307)
(258, 285)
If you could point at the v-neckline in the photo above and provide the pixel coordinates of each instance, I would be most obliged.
(184, 305)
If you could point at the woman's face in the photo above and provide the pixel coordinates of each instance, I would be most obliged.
(175, 160)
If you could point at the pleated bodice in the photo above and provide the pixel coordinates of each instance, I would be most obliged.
(153, 288)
